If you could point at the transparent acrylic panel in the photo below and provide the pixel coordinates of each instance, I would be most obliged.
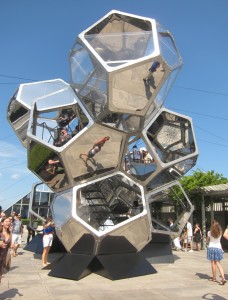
(123, 122)
(169, 203)
(81, 65)
(120, 47)
(167, 85)
(32, 91)
(94, 93)
(184, 166)
(139, 161)
(56, 98)
(108, 202)
(57, 127)
(172, 137)
(168, 48)
(47, 165)
(163, 177)
(62, 208)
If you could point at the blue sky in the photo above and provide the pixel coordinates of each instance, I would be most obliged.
(35, 39)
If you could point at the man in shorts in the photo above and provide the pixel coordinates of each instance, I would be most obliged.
(17, 231)
(190, 235)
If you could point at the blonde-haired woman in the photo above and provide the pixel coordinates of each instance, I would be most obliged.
(214, 250)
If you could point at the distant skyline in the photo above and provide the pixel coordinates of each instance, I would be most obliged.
(36, 38)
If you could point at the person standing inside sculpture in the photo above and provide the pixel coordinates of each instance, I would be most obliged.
(214, 251)
(48, 231)
(190, 235)
(149, 78)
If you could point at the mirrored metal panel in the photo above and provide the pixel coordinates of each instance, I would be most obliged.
(123, 122)
(95, 152)
(18, 116)
(139, 160)
(133, 89)
(47, 165)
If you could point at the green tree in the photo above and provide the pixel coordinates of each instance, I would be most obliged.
(192, 183)
(200, 178)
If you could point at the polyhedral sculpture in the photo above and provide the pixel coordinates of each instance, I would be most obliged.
(107, 147)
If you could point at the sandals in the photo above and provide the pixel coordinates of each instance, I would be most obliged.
(222, 282)
(213, 280)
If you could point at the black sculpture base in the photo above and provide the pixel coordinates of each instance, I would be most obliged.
(76, 265)
(115, 266)
(159, 250)
(36, 245)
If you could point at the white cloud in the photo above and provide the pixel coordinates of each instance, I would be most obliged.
(15, 176)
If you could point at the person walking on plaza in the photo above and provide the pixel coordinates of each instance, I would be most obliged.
(197, 236)
(47, 239)
(190, 234)
(214, 251)
(17, 231)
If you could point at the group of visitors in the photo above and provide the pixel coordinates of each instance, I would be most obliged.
(63, 135)
(11, 230)
(214, 247)
(141, 155)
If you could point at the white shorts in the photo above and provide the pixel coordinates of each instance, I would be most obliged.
(47, 240)
(16, 239)
(189, 239)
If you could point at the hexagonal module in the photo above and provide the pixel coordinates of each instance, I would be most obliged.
(57, 116)
(48, 166)
(169, 201)
(172, 136)
(121, 63)
(94, 153)
(103, 206)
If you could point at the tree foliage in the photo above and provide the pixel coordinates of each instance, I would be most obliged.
(193, 182)
(199, 179)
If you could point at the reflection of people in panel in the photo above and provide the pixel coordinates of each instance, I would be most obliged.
(136, 154)
(96, 148)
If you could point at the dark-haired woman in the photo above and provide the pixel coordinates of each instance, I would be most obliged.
(5, 242)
